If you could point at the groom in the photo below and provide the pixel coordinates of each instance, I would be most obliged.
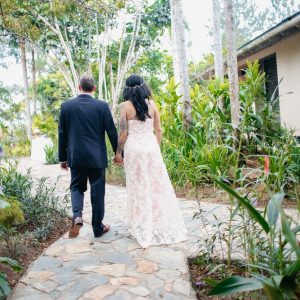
(83, 122)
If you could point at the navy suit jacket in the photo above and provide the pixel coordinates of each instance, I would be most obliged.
(83, 122)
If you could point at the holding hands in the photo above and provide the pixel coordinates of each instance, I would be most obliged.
(118, 160)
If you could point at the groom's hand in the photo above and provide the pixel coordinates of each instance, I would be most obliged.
(64, 166)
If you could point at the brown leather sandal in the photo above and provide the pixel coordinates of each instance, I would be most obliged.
(106, 229)
(75, 229)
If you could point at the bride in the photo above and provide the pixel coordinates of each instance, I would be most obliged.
(154, 216)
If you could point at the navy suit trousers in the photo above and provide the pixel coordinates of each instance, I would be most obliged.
(96, 177)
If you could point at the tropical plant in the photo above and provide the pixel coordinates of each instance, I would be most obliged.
(277, 272)
(51, 153)
(4, 286)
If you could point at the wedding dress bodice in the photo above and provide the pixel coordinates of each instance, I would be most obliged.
(140, 127)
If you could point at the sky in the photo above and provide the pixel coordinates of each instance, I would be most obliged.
(198, 14)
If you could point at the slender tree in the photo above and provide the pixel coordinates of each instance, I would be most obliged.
(33, 72)
(218, 48)
(26, 85)
(232, 63)
(101, 56)
(174, 53)
(178, 25)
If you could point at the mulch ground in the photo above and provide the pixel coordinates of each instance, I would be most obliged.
(30, 251)
(201, 274)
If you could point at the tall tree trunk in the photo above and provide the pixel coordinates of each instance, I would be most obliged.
(101, 59)
(174, 53)
(232, 63)
(33, 71)
(89, 54)
(218, 55)
(178, 25)
(26, 86)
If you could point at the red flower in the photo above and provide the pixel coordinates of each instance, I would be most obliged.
(267, 165)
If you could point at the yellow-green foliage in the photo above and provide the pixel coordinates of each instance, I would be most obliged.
(12, 214)
(16, 143)
(18, 150)
(46, 124)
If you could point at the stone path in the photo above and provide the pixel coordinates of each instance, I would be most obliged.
(113, 267)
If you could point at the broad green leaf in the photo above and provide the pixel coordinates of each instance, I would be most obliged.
(288, 286)
(293, 269)
(276, 279)
(272, 291)
(289, 234)
(295, 230)
(4, 287)
(10, 262)
(236, 284)
(274, 208)
(251, 210)
(210, 281)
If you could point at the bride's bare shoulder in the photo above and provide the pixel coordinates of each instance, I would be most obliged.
(125, 105)
(152, 103)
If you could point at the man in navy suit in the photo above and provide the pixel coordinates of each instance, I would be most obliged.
(83, 122)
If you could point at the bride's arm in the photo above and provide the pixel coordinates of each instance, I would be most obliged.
(123, 130)
(157, 125)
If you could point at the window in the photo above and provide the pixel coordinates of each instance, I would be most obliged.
(269, 66)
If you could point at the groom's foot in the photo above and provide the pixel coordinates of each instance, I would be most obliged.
(74, 231)
(106, 228)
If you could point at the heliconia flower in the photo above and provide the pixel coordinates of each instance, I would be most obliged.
(267, 165)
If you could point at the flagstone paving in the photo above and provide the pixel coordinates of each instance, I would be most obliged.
(113, 267)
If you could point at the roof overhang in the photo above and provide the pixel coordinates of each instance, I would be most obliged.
(284, 29)
(274, 35)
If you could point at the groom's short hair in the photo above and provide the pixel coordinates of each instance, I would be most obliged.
(87, 83)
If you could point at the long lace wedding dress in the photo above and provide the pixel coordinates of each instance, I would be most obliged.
(154, 215)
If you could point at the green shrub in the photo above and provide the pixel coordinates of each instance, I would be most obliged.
(14, 184)
(208, 148)
(51, 153)
(43, 207)
(11, 215)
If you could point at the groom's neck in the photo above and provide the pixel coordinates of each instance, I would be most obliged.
(86, 93)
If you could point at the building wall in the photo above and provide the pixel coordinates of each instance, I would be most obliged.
(288, 67)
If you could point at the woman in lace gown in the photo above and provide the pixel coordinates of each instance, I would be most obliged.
(154, 216)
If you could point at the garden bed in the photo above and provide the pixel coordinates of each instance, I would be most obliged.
(33, 215)
(204, 274)
(209, 192)
(31, 250)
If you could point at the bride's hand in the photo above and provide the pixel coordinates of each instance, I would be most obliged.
(118, 160)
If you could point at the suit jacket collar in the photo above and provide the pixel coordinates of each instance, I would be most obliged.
(86, 96)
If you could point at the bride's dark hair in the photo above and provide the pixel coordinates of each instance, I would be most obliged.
(137, 91)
